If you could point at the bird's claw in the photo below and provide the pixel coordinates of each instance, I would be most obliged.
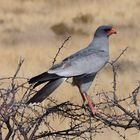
(92, 112)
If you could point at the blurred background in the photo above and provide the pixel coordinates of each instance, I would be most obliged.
(35, 29)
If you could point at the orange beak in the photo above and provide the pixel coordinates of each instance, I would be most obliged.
(112, 31)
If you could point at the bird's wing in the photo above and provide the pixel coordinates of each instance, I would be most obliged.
(85, 61)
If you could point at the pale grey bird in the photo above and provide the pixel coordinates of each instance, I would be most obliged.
(82, 66)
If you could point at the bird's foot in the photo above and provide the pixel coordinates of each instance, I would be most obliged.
(93, 112)
(85, 106)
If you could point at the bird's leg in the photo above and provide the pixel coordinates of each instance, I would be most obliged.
(83, 97)
(89, 101)
(85, 103)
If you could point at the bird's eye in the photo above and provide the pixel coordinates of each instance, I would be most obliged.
(106, 30)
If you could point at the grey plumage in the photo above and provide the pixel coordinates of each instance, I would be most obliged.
(82, 66)
(83, 82)
(85, 60)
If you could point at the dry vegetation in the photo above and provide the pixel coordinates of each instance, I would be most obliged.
(35, 29)
(20, 120)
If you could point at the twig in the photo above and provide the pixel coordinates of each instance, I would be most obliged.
(54, 60)
(114, 70)
(10, 129)
(123, 51)
(134, 95)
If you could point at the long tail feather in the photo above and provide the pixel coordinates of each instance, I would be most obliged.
(43, 77)
(46, 91)
(38, 83)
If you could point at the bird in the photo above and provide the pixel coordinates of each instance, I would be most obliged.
(81, 66)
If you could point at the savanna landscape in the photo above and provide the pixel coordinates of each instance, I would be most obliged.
(35, 29)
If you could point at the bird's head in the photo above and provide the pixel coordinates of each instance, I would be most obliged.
(105, 31)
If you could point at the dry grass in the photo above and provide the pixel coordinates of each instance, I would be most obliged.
(26, 31)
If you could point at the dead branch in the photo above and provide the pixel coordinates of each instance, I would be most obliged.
(54, 60)
(10, 129)
(26, 122)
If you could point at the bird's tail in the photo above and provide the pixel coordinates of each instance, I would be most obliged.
(43, 78)
(46, 90)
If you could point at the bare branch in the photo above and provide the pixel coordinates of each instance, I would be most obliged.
(123, 51)
(54, 60)
(30, 122)
(10, 129)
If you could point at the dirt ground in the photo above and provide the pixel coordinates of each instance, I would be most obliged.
(35, 29)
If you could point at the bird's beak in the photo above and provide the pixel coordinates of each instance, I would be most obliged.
(112, 31)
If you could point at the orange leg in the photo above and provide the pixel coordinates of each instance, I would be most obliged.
(89, 103)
